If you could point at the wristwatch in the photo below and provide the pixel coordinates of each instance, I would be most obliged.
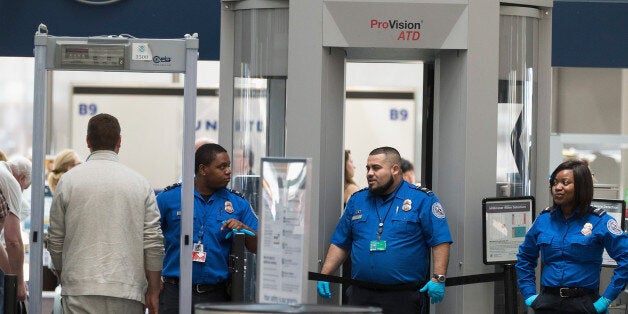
(439, 278)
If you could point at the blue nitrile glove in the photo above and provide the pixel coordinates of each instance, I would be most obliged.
(531, 299)
(234, 231)
(323, 289)
(435, 290)
(601, 305)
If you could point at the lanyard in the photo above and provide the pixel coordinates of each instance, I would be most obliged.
(380, 226)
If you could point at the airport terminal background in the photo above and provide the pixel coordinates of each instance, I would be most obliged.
(589, 115)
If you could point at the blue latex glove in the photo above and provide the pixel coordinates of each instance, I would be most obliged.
(323, 289)
(234, 231)
(531, 299)
(435, 290)
(601, 305)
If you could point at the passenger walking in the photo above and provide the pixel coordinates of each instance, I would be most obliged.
(105, 240)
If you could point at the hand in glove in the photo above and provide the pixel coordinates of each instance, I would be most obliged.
(435, 290)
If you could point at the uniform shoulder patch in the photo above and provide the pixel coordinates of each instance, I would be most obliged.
(598, 211)
(546, 210)
(422, 189)
(236, 192)
(170, 187)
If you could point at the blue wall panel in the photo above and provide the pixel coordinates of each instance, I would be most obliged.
(590, 33)
(141, 18)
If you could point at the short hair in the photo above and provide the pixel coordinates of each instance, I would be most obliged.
(3, 156)
(206, 154)
(583, 183)
(392, 154)
(21, 166)
(103, 132)
(406, 165)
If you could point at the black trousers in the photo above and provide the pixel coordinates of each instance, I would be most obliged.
(553, 303)
(400, 301)
(169, 297)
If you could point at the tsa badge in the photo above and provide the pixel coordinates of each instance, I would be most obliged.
(228, 207)
(586, 230)
(613, 227)
(407, 205)
(438, 211)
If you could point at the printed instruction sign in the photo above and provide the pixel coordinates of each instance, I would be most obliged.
(506, 222)
(284, 236)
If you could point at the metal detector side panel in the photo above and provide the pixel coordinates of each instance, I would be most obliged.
(395, 24)
(284, 234)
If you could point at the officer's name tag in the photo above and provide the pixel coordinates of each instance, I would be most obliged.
(356, 217)
(378, 245)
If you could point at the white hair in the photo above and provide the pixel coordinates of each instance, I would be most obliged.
(21, 166)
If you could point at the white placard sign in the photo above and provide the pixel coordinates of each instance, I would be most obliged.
(506, 222)
(282, 245)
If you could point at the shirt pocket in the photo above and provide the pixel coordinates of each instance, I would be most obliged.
(583, 248)
(544, 242)
(360, 218)
(406, 223)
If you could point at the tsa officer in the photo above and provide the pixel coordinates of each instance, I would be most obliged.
(389, 230)
(218, 212)
(571, 237)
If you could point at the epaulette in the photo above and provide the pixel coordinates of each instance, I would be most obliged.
(422, 189)
(546, 210)
(598, 211)
(170, 187)
(236, 193)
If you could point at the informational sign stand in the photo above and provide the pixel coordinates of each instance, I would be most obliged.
(283, 240)
(505, 223)
(118, 54)
(617, 209)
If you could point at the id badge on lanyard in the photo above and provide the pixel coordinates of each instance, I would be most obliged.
(198, 254)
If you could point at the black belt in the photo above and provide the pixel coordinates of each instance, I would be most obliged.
(197, 287)
(366, 284)
(567, 292)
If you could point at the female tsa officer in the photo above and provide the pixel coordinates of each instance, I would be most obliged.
(571, 237)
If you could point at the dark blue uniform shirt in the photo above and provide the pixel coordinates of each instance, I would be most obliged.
(414, 221)
(572, 256)
(208, 218)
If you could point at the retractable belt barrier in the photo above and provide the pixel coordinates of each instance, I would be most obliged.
(451, 281)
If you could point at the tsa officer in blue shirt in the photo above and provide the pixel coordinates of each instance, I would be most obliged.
(218, 212)
(389, 230)
(571, 236)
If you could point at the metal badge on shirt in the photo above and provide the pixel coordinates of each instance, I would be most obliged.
(407, 205)
(586, 230)
(229, 207)
(198, 254)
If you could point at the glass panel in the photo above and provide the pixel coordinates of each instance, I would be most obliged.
(516, 101)
(259, 100)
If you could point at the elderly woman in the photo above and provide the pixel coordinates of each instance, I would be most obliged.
(571, 236)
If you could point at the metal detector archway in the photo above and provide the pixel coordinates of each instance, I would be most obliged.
(118, 54)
